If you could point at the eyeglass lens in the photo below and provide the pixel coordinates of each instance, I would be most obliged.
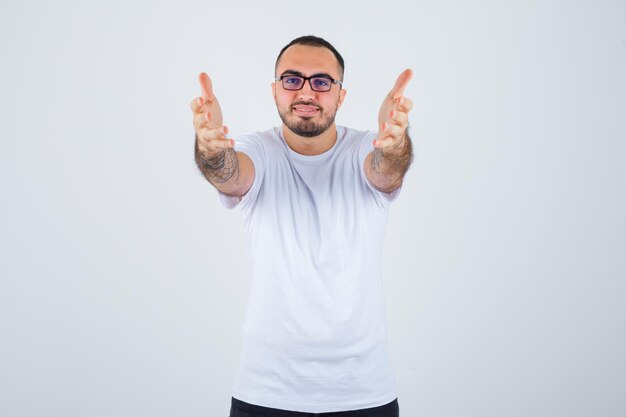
(317, 83)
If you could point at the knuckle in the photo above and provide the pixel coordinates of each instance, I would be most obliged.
(204, 135)
(203, 147)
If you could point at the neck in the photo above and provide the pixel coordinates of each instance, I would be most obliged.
(311, 146)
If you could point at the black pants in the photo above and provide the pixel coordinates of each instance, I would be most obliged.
(240, 408)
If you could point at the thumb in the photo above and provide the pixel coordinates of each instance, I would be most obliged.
(206, 86)
(401, 83)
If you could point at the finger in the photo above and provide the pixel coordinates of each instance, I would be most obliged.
(403, 104)
(388, 142)
(384, 142)
(390, 130)
(212, 133)
(201, 118)
(398, 117)
(197, 104)
(206, 86)
(401, 83)
(221, 143)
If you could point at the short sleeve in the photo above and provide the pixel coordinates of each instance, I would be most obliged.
(365, 147)
(252, 146)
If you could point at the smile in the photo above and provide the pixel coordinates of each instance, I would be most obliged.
(305, 110)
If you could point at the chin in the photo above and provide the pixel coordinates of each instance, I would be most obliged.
(305, 126)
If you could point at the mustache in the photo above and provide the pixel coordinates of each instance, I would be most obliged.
(305, 103)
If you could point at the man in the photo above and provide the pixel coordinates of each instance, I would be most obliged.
(315, 198)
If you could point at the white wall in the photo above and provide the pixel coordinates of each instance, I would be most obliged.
(124, 282)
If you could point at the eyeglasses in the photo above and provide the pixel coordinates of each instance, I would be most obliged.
(296, 82)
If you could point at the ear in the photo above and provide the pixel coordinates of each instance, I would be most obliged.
(274, 91)
(342, 97)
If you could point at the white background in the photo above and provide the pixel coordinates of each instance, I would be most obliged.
(124, 282)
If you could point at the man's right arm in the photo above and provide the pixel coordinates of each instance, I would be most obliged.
(230, 172)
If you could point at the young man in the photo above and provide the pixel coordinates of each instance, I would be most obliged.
(315, 199)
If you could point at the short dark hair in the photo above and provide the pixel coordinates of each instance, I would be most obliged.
(310, 40)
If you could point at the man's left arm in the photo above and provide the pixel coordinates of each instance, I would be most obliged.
(386, 165)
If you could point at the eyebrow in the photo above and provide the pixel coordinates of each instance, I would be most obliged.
(298, 73)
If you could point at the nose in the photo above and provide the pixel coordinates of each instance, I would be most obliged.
(306, 93)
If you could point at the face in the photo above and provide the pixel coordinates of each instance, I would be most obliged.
(307, 112)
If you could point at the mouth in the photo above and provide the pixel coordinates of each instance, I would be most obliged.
(305, 110)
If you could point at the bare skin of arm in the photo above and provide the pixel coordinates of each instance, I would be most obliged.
(386, 165)
(385, 168)
(230, 172)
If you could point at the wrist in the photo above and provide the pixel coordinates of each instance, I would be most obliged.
(401, 145)
(207, 155)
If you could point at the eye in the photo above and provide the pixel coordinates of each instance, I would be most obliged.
(292, 80)
(321, 82)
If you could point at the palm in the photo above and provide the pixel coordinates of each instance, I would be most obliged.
(393, 113)
(385, 111)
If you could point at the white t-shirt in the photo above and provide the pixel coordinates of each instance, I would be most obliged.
(314, 336)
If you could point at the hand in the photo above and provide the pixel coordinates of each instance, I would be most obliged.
(393, 117)
(207, 120)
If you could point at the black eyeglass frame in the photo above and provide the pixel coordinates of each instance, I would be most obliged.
(304, 79)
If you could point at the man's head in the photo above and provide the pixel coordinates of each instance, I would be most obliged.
(310, 40)
(308, 111)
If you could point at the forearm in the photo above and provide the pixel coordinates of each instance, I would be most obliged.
(222, 170)
(387, 167)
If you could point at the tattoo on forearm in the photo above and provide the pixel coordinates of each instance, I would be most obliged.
(219, 168)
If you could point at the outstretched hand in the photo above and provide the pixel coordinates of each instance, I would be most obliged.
(207, 120)
(393, 117)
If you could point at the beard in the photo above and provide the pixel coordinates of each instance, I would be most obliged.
(306, 126)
